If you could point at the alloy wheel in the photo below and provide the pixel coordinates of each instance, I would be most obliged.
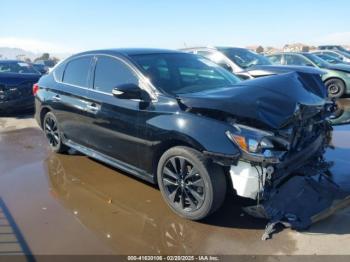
(333, 89)
(51, 131)
(183, 183)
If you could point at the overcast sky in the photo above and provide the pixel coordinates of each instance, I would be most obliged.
(71, 26)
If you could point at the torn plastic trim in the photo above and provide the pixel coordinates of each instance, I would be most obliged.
(300, 201)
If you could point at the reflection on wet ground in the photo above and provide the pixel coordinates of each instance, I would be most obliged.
(131, 216)
(70, 204)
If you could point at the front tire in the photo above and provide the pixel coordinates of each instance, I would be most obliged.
(192, 186)
(53, 134)
(335, 88)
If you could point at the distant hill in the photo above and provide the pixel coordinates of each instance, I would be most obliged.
(13, 53)
(18, 53)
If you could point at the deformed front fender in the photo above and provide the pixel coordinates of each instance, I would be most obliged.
(202, 133)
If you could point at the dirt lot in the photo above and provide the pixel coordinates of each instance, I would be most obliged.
(70, 204)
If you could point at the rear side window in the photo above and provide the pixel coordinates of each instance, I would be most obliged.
(77, 72)
(59, 70)
(110, 73)
(205, 53)
(296, 60)
(275, 59)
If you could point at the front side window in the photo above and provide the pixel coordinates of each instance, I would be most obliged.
(77, 71)
(180, 73)
(110, 73)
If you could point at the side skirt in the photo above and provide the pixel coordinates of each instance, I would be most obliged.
(111, 161)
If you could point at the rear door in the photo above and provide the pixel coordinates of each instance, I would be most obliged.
(69, 100)
(113, 128)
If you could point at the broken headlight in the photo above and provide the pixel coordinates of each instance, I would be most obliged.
(251, 140)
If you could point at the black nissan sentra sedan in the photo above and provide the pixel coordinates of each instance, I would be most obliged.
(181, 121)
(16, 82)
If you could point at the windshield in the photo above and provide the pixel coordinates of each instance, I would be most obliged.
(340, 48)
(346, 54)
(17, 68)
(180, 73)
(245, 58)
(317, 60)
(329, 59)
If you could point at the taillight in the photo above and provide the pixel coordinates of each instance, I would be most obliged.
(35, 88)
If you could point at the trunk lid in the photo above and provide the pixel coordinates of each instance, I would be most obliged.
(15, 86)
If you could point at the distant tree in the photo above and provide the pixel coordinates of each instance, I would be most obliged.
(28, 60)
(260, 49)
(44, 56)
(305, 49)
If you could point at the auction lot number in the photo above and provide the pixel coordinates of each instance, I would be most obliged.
(173, 258)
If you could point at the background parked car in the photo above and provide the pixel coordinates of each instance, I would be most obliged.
(16, 83)
(336, 77)
(244, 63)
(331, 59)
(334, 48)
(42, 69)
(48, 64)
(345, 57)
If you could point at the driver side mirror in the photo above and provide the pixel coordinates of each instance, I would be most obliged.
(131, 91)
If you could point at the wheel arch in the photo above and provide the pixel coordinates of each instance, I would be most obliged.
(43, 111)
(336, 78)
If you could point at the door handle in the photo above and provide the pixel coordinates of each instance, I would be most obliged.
(92, 107)
(56, 98)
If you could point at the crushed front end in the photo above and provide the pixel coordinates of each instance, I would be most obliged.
(285, 170)
(280, 125)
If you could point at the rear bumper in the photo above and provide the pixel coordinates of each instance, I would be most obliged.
(23, 103)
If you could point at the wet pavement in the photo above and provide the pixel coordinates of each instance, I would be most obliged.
(71, 204)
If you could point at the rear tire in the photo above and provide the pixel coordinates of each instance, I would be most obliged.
(53, 133)
(191, 185)
(335, 87)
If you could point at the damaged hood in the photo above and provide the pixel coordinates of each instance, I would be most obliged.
(273, 100)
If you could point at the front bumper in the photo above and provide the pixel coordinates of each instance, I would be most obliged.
(253, 174)
(298, 193)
